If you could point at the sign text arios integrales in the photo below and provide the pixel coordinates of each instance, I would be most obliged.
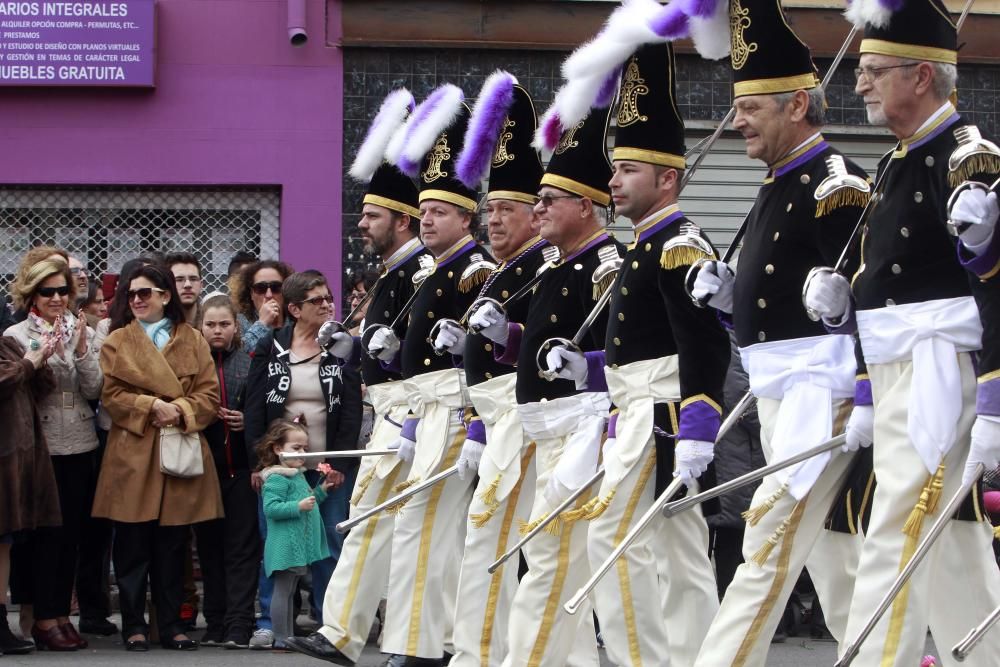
(118, 9)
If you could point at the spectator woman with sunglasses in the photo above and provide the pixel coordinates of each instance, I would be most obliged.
(45, 293)
(259, 298)
(291, 375)
(158, 372)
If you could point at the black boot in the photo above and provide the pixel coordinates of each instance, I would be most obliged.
(9, 644)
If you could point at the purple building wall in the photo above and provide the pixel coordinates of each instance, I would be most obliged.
(234, 104)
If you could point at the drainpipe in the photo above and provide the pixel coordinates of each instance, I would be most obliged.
(297, 22)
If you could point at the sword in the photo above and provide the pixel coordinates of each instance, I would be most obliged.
(337, 454)
(963, 648)
(904, 575)
(345, 526)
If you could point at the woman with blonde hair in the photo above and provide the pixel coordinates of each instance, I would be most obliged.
(44, 292)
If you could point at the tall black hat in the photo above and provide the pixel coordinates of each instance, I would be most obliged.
(915, 29)
(438, 178)
(392, 189)
(650, 128)
(767, 56)
(580, 163)
(498, 141)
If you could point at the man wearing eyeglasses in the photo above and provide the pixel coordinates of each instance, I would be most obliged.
(927, 329)
(186, 269)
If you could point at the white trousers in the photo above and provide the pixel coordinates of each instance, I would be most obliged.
(358, 583)
(427, 542)
(957, 584)
(541, 633)
(755, 600)
(657, 602)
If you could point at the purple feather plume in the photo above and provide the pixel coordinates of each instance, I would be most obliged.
(551, 130)
(892, 5)
(485, 125)
(606, 93)
(419, 138)
(702, 9)
(408, 167)
(671, 22)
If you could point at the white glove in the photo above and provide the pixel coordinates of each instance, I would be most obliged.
(326, 331)
(829, 294)
(405, 448)
(691, 458)
(451, 339)
(985, 447)
(491, 322)
(860, 428)
(980, 210)
(578, 461)
(468, 460)
(384, 344)
(568, 364)
(715, 280)
(341, 345)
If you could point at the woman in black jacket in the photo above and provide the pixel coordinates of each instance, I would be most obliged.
(291, 375)
(229, 548)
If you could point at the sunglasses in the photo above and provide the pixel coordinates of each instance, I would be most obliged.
(144, 293)
(49, 292)
(546, 200)
(262, 288)
(78, 271)
(318, 300)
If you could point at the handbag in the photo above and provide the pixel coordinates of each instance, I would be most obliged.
(180, 453)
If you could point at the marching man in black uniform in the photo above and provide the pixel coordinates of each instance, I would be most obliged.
(560, 418)
(918, 323)
(496, 447)
(389, 223)
(429, 529)
(666, 362)
(804, 378)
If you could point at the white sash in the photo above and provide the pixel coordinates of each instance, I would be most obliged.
(496, 404)
(931, 333)
(635, 388)
(434, 397)
(561, 416)
(388, 400)
(806, 375)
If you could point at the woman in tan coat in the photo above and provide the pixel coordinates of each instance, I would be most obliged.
(158, 371)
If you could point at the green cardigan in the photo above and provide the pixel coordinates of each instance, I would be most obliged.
(294, 538)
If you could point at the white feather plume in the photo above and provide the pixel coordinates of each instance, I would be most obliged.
(868, 12)
(394, 149)
(574, 100)
(390, 117)
(626, 29)
(427, 127)
(711, 35)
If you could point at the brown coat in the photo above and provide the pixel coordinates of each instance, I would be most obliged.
(28, 494)
(131, 487)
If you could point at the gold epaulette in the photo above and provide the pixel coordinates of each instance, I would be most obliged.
(973, 156)
(972, 166)
(686, 248)
(475, 274)
(840, 188)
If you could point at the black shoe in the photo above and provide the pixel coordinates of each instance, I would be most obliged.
(237, 639)
(212, 637)
(138, 645)
(10, 644)
(97, 626)
(317, 646)
(179, 644)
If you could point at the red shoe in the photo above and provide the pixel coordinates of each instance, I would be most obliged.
(53, 639)
(188, 612)
(72, 634)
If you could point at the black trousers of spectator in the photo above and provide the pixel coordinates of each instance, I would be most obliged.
(94, 562)
(229, 551)
(149, 550)
(54, 550)
(727, 550)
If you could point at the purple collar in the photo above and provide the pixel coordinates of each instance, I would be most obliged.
(652, 229)
(596, 239)
(455, 252)
(799, 159)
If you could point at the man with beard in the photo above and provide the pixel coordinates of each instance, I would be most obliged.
(186, 270)
(927, 329)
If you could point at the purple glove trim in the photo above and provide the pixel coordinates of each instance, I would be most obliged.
(699, 421)
(409, 430)
(476, 431)
(596, 380)
(863, 392)
(988, 398)
(613, 425)
(849, 326)
(726, 319)
(395, 365)
(986, 265)
(507, 354)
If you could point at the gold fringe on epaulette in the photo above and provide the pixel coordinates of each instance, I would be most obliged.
(839, 198)
(755, 514)
(603, 285)
(926, 504)
(551, 529)
(765, 551)
(972, 166)
(399, 488)
(581, 511)
(362, 486)
(473, 281)
(601, 506)
(681, 255)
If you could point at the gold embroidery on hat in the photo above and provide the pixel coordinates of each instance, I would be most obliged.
(739, 21)
(567, 141)
(501, 156)
(632, 87)
(439, 154)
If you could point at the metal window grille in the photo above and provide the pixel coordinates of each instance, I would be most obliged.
(106, 227)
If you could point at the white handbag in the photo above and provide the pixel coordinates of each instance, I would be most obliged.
(180, 453)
